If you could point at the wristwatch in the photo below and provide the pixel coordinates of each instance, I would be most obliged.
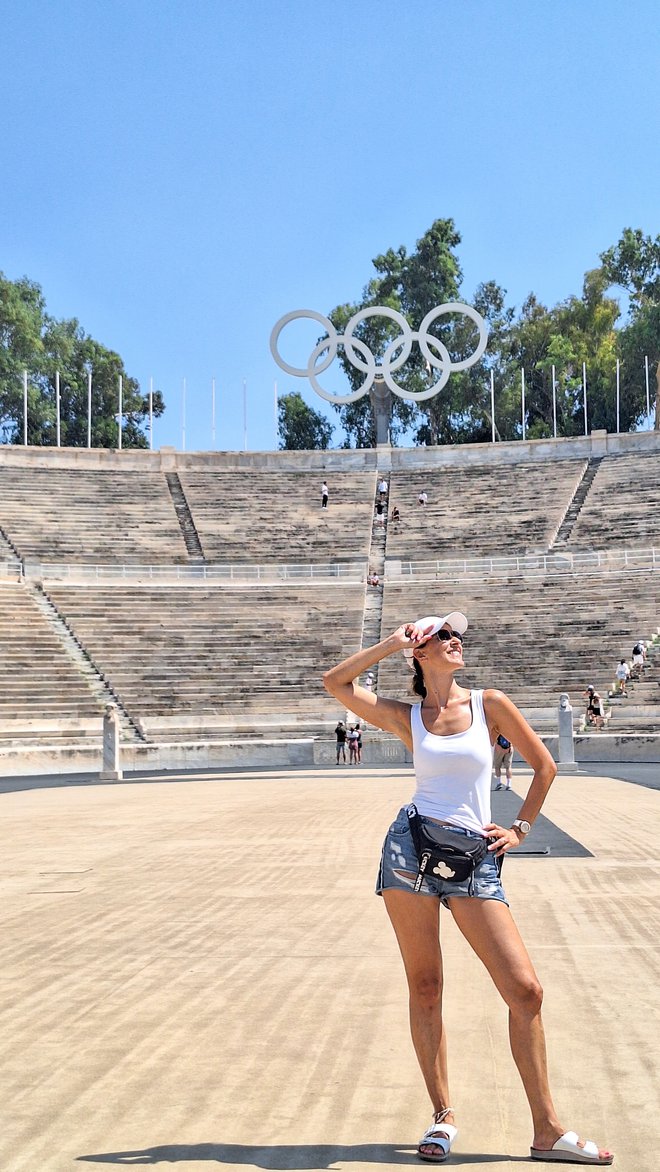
(521, 825)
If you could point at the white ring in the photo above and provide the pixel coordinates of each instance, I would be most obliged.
(331, 342)
(351, 398)
(376, 311)
(428, 343)
(467, 311)
(429, 392)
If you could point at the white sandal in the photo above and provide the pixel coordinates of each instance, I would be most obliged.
(441, 1135)
(569, 1151)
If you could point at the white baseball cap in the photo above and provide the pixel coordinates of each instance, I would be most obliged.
(455, 619)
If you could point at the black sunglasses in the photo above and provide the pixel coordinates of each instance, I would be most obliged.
(444, 636)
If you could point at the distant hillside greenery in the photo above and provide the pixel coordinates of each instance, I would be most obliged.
(589, 329)
(32, 340)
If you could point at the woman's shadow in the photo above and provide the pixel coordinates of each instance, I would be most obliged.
(284, 1157)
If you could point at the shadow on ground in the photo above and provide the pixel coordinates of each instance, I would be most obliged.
(545, 837)
(646, 773)
(284, 1157)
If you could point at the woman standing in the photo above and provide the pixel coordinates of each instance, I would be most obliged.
(450, 734)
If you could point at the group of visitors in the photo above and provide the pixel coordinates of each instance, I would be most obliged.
(351, 736)
(625, 671)
(381, 502)
(595, 710)
(623, 674)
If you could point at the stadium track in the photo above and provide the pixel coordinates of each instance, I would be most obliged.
(196, 973)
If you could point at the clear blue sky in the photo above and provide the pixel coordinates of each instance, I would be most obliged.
(177, 175)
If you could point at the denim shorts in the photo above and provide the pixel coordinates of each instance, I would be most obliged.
(398, 868)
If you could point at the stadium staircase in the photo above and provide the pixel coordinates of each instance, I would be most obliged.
(188, 530)
(373, 603)
(80, 659)
(8, 550)
(623, 505)
(579, 498)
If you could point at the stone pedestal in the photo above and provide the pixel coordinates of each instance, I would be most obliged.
(381, 401)
(111, 763)
(566, 756)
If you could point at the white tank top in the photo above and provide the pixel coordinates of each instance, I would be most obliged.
(453, 772)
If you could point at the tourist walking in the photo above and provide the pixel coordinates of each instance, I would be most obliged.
(340, 736)
(502, 757)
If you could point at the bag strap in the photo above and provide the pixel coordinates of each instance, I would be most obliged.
(422, 856)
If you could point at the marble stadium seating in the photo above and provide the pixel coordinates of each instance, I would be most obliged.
(212, 660)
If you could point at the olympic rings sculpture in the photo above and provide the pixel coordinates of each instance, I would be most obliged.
(362, 358)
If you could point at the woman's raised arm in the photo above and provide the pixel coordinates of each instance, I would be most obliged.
(391, 715)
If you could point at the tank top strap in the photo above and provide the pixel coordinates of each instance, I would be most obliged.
(416, 727)
(478, 710)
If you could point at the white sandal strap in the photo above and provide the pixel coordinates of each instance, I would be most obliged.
(568, 1142)
(440, 1115)
(440, 1134)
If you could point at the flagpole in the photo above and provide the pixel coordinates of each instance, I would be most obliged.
(89, 407)
(492, 404)
(554, 404)
(276, 419)
(245, 415)
(151, 414)
(618, 390)
(213, 414)
(648, 398)
(522, 401)
(121, 409)
(584, 394)
(57, 407)
(25, 407)
(183, 416)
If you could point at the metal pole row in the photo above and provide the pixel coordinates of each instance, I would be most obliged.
(184, 391)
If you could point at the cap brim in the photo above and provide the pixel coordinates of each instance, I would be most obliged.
(455, 619)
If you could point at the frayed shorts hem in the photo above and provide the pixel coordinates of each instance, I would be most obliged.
(398, 870)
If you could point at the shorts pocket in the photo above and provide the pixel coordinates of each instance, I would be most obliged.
(399, 828)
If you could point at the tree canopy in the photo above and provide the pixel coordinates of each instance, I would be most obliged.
(33, 340)
(299, 426)
(634, 265)
(581, 333)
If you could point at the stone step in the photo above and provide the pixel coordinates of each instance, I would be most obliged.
(575, 505)
(188, 530)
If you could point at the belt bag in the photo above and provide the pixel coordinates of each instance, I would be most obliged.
(442, 853)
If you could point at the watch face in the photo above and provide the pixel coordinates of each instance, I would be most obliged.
(524, 826)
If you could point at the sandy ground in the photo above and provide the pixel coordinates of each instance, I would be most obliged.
(195, 971)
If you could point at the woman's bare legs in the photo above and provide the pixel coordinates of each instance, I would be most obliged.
(489, 929)
(415, 919)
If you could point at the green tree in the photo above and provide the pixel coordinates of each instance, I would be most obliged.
(22, 312)
(299, 426)
(411, 284)
(32, 340)
(576, 331)
(461, 412)
(633, 263)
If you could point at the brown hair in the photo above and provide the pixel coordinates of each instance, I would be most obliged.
(418, 685)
